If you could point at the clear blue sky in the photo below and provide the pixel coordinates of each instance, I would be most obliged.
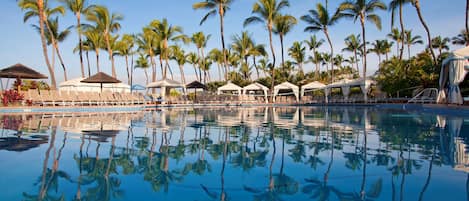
(20, 43)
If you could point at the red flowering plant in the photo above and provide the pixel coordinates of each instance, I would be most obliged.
(11, 96)
(11, 122)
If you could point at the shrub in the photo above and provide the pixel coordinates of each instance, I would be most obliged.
(11, 96)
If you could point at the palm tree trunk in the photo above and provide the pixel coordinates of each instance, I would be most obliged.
(146, 75)
(281, 46)
(255, 66)
(97, 59)
(222, 34)
(183, 78)
(161, 66)
(56, 47)
(408, 50)
(111, 56)
(203, 63)
(40, 5)
(200, 64)
(401, 21)
(429, 38)
(88, 62)
(196, 73)
(364, 54)
(467, 16)
(332, 54)
(273, 62)
(80, 43)
(127, 68)
(317, 70)
(356, 61)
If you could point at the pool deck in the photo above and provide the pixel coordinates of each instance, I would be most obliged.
(462, 110)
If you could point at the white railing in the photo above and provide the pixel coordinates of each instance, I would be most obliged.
(427, 95)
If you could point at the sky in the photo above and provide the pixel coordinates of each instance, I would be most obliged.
(20, 43)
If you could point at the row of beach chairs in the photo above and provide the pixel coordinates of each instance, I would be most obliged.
(64, 98)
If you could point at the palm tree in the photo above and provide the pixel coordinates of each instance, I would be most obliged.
(214, 6)
(178, 54)
(461, 39)
(387, 48)
(193, 59)
(265, 11)
(298, 53)
(78, 7)
(38, 6)
(142, 63)
(95, 41)
(416, 4)
(107, 23)
(148, 42)
(54, 36)
(363, 10)
(321, 20)
(242, 44)
(353, 44)
(316, 59)
(393, 6)
(124, 48)
(200, 41)
(256, 51)
(217, 56)
(167, 33)
(378, 48)
(313, 44)
(396, 35)
(440, 44)
(283, 24)
(412, 40)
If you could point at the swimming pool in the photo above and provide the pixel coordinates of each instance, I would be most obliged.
(236, 153)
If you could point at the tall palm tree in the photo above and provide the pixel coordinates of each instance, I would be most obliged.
(440, 43)
(167, 32)
(461, 39)
(200, 40)
(265, 11)
(142, 63)
(316, 58)
(38, 6)
(283, 24)
(78, 7)
(393, 6)
(298, 53)
(353, 44)
(411, 40)
(242, 44)
(124, 48)
(396, 35)
(95, 41)
(193, 59)
(54, 36)
(378, 47)
(313, 44)
(365, 11)
(107, 23)
(387, 48)
(214, 6)
(320, 20)
(416, 4)
(178, 55)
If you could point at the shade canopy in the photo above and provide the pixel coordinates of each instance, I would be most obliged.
(229, 87)
(346, 84)
(165, 83)
(256, 87)
(76, 85)
(287, 86)
(21, 71)
(195, 85)
(101, 78)
(311, 86)
(453, 71)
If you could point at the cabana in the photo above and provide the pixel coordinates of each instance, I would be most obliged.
(76, 85)
(453, 71)
(311, 87)
(230, 87)
(287, 86)
(165, 85)
(256, 87)
(346, 84)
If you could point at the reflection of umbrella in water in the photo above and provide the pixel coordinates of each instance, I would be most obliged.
(21, 71)
(101, 135)
(19, 144)
(101, 78)
(196, 85)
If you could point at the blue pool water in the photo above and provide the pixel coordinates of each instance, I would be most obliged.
(246, 153)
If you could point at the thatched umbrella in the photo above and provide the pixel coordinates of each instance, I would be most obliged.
(101, 78)
(20, 71)
(196, 85)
